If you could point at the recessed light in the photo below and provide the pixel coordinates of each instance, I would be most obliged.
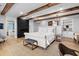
(21, 13)
(24, 18)
(60, 9)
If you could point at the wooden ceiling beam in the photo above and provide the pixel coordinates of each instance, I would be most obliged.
(58, 16)
(7, 8)
(40, 9)
(61, 11)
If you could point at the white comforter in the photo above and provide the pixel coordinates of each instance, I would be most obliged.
(44, 39)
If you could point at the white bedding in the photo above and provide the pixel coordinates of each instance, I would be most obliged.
(44, 39)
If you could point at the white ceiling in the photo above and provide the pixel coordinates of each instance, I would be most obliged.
(27, 7)
(23, 7)
(54, 9)
(60, 14)
(2, 6)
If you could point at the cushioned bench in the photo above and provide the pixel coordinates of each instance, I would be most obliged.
(31, 42)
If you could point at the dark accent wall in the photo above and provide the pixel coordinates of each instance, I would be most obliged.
(22, 26)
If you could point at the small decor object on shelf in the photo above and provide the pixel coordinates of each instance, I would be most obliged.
(67, 26)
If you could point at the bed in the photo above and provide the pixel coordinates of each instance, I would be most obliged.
(44, 38)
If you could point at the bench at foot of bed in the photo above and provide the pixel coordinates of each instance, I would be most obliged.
(30, 42)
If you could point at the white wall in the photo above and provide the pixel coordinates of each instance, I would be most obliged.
(34, 26)
(15, 27)
(76, 23)
(31, 26)
(3, 20)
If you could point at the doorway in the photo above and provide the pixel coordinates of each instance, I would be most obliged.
(10, 28)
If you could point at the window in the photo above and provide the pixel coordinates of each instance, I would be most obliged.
(1, 25)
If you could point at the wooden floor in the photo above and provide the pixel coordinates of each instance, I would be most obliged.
(14, 47)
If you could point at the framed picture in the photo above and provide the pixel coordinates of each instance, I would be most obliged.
(50, 23)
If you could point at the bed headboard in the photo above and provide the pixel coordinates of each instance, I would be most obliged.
(47, 29)
(42, 29)
(50, 29)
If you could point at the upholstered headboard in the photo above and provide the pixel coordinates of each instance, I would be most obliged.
(42, 29)
(47, 29)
